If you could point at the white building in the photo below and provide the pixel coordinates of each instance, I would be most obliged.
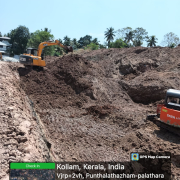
(4, 45)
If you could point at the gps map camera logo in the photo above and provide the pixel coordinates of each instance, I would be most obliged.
(134, 156)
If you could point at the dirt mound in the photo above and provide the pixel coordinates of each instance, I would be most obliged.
(136, 60)
(94, 105)
(100, 111)
(62, 83)
(21, 138)
(151, 86)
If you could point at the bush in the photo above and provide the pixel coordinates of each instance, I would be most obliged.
(92, 46)
(102, 46)
(119, 43)
(57, 54)
(173, 45)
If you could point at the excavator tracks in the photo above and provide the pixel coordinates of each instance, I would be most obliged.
(160, 124)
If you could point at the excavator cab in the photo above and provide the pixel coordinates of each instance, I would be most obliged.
(31, 58)
(168, 113)
(32, 51)
(170, 110)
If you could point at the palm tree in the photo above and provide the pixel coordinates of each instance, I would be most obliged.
(152, 41)
(129, 37)
(109, 35)
(95, 41)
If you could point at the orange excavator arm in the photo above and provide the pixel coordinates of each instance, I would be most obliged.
(44, 44)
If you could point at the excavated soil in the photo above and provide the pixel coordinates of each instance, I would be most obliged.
(93, 106)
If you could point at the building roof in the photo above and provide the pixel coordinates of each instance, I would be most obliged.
(6, 38)
(3, 44)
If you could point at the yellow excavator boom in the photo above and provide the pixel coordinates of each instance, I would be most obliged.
(44, 44)
(33, 59)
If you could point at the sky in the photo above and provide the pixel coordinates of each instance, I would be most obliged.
(77, 18)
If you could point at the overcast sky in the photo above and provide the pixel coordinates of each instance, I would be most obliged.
(77, 18)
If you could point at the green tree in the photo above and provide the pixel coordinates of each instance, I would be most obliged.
(57, 49)
(95, 41)
(151, 41)
(170, 39)
(119, 43)
(46, 29)
(67, 41)
(84, 41)
(101, 46)
(140, 34)
(109, 35)
(41, 36)
(92, 46)
(137, 43)
(121, 33)
(129, 36)
(172, 45)
(0, 34)
(19, 39)
(8, 34)
(74, 43)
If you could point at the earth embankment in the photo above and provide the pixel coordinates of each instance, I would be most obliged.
(93, 106)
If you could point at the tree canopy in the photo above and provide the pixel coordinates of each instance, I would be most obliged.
(74, 43)
(137, 43)
(40, 36)
(119, 43)
(67, 41)
(84, 41)
(92, 46)
(19, 38)
(95, 41)
(151, 41)
(109, 35)
(140, 34)
(129, 36)
(171, 40)
(121, 33)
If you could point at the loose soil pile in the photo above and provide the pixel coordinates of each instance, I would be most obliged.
(93, 105)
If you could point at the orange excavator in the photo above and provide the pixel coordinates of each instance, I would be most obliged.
(168, 114)
(34, 57)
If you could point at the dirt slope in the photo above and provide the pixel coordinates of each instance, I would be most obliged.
(22, 137)
(93, 106)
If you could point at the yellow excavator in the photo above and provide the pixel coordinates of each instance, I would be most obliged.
(34, 57)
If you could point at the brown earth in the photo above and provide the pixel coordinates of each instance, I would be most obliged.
(93, 106)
